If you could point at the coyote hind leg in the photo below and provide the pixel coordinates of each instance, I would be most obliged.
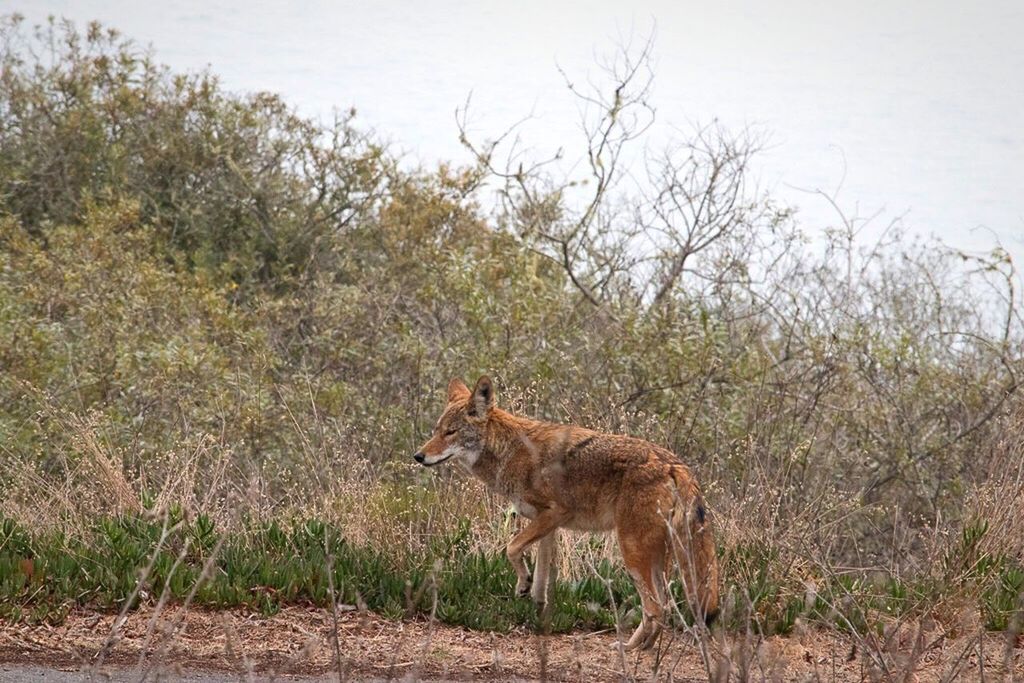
(644, 558)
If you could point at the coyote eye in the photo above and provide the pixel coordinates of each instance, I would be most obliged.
(450, 432)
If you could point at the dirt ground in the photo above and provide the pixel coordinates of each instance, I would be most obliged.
(298, 641)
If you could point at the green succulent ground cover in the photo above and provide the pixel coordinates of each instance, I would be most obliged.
(129, 560)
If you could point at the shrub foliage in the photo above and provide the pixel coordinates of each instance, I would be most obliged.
(208, 297)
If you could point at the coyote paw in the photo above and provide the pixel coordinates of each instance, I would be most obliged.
(644, 637)
(523, 586)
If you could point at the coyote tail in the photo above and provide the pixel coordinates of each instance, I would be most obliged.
(693, 545)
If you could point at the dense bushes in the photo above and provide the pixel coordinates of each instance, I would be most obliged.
(206, 295)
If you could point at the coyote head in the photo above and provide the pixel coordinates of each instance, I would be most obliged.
(459, 432)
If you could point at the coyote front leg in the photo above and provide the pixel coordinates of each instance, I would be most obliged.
(545, 569)
(545, 523)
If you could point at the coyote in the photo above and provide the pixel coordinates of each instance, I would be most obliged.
(568, 476)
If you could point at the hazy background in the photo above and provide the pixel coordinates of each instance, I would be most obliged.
(912, 107)
(251, 335)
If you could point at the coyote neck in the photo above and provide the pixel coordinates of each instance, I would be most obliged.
(508, 443)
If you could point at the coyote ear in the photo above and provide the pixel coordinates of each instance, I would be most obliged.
(483, 397)
(457, 389)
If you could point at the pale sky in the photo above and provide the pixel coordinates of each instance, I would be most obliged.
(913, 108)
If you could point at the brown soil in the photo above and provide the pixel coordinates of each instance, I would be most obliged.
(298, 641)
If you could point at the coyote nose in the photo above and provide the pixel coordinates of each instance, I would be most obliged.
(419, 457)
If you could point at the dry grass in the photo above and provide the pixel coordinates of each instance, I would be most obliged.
(401, 510)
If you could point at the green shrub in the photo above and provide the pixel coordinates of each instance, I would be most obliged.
(211, 305)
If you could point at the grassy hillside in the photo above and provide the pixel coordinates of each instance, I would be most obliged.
(225, 328)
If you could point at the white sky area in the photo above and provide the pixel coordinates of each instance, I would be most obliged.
(915, 108)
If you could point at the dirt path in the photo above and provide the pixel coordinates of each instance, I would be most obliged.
(30, 673)
(208, 647)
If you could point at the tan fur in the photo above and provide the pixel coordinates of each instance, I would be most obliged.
(567, 476)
